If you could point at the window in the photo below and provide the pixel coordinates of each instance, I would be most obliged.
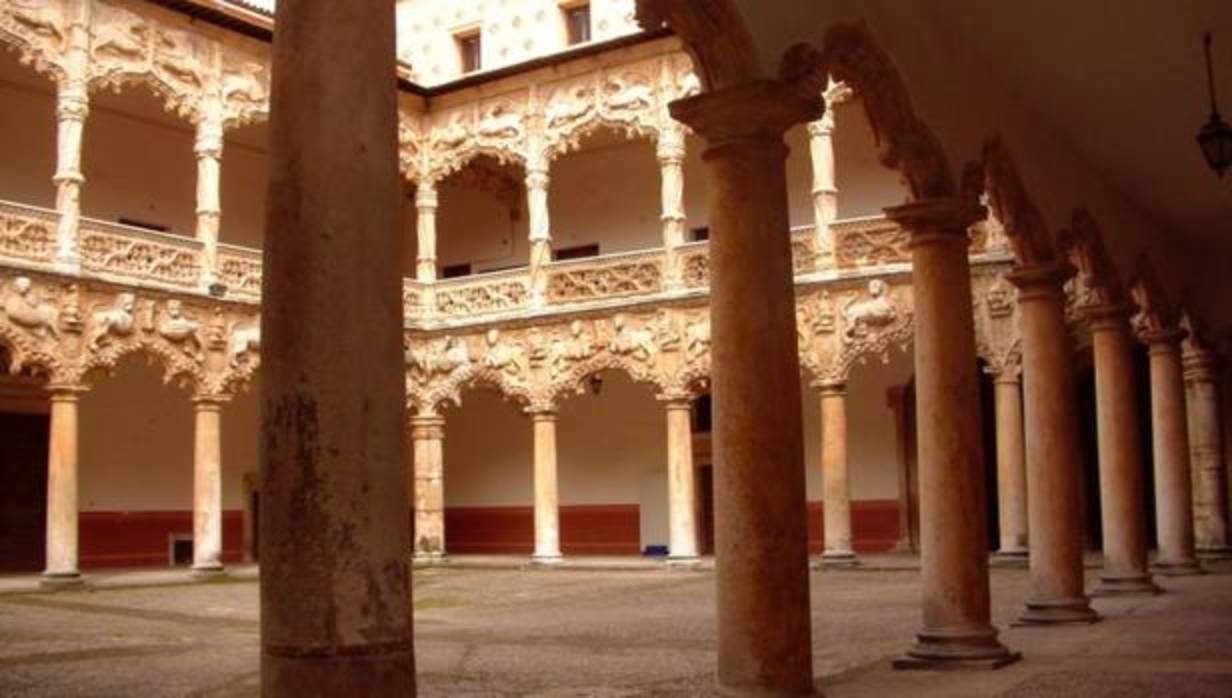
(701, 234)
(453, 271)
(136, 223)
(470, 50)
(579, 252)
(577, 23)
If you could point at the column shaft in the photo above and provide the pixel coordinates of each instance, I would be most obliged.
(207, 487)
(547, 505)
(61, 557)
(681, 491)
(540, 234)
(953, 537)
(836, 489)
(1011, 469)
(208, 149)
(1054, 463)
(1174, 530)
(425, 250)
(72, 107)
(825, 193)
(1121, 489)
(670, 152)
(1210, 477)
(761, 541)
(335, 574)
(427, 436)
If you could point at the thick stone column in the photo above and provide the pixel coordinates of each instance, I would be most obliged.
(61, 556)
(208, 149)
(335, 574)
(425, 250)
(1210, 476)
(761, 539)
(681, 491)
(207, 487)
(1054, 462)
(836, 489)
(1174, 530)
(670, 151)
(953, 539)
(1121, 490)
(547, 504)
(540, 232)
(427, 437)
(1011, 470)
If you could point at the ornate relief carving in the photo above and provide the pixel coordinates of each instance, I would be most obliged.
(38, 29)
(139, 257)
(480, 297)
(1097, 282)
(240, 272)
(870, 242)
(25, 308)
(1033, 243)
(1156, 315)
(27, 233)
(113, 321)
(579, 282)
(998, 338)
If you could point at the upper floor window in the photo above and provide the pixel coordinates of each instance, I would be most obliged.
(470, 51)
(577, 23)
(579, 252)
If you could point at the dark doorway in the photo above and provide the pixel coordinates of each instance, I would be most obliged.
(705, 509)
(1088, 448)
(988, 428)
(23, 494)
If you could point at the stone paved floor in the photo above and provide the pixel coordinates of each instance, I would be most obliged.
(612, 633)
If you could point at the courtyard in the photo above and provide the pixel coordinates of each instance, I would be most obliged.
(614, 632)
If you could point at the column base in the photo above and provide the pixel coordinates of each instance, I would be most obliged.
(61, 580)
(429, 559)
(844, 560)
(974, 648)
(683, 562)
(1057, 612)
(1222, 552)
(207, 572)
(1176, 568)
(546, 560)
(1126, 585)
(734, 692)
(1009, 559)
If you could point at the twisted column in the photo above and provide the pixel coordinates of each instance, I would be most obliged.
(1054, 463)
(1121, 490)
(540, 234)
(670, 152)
(207, 487)
(953, 539)
(428, 491)
(72, 108)
(208, 149)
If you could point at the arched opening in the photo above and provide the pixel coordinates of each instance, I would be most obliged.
(24, 427)
(27, 133)
(612, 461)
(138, 163)
(481, 221)
(244, 179)
(489, 489)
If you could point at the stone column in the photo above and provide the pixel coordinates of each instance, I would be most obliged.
(425, 250)
(681, 492)
(1054, 462)
(953, 539)
(207, 487)
(836, 489)
(61, 563)
(72, 108)
(670, 152)
(1121, 490)
(335, 574)
(1210, 477)
(761, 538)
(208, 148)
(540, 232)
(427, 436)
(825, 193)
(1174, 530)
(547, 505)
(1011, 469)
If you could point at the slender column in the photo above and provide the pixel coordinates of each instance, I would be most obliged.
(72, 108)
(836, 489)
(1210, 477)
(825, 193)
(1121, 490)
(425, 250)
(61, 557)
(670, 152)
(953, 539)
(681, 491)
(761, 537)
(1173, 504)
(1054, 464)
(207, 487)
(427, 436)
(547, 505)
(335, 574)
(208, 148)
(540, 232)
(1011, 470)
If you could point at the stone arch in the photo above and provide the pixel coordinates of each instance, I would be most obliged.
(178, 369)
(37, 34)
(25, 355)
(433, 396)
(572, 381)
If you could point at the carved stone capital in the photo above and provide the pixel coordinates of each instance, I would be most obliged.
(1041, 280)
(936, 220)
(427, 428)
(426, 196)
(758, 110)
(826, 387)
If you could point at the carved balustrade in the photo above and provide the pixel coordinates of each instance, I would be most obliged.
(27, 233)
(610, 276)
(136, 256)
(239, 270)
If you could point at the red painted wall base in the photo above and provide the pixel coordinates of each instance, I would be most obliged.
(143, 538)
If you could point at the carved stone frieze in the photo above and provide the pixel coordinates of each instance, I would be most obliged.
(606, 280)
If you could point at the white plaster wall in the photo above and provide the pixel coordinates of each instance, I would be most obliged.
(28, 140)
